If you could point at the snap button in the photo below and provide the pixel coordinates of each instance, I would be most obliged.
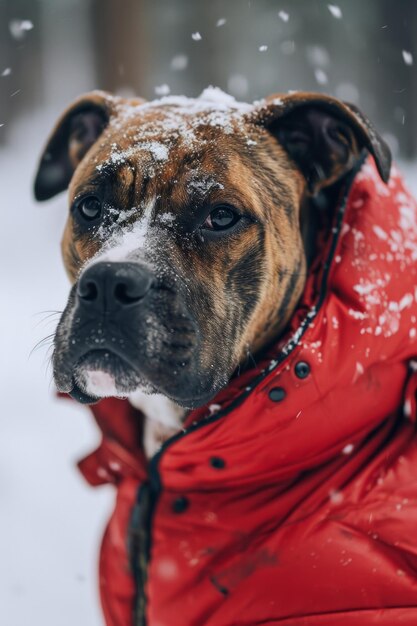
(180, 504)
(302, 369)
(276, 394)
(217, 462)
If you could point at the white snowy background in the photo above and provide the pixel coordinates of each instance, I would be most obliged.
(51, 522)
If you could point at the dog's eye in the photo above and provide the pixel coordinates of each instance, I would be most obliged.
(89, 208)
(221, 218)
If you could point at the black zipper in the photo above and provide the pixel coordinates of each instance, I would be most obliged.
(138, 550)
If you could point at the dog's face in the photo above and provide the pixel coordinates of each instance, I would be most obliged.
(183, 239)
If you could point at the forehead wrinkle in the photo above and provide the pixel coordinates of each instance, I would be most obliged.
(97, 175)
(241, 181)
(125, 179)
(269, 184)
(198, 189)
(174, 184)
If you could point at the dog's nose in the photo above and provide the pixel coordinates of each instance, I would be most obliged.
(113, 286)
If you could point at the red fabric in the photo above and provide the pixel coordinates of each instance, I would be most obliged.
(312, 521)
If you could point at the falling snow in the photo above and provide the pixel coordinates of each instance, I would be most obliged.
(162, 90)
(408, 57)
(179, 62)
(238, 84)
(335, 11)
(407, 408)
(321, 76)
(335, 496)
(284, 16)
(19, 28)
(317, 56)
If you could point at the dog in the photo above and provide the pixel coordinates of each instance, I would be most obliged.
(194, 226)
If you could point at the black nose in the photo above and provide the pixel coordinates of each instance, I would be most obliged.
(113, 286)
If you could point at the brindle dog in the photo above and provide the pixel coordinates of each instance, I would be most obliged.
(190, 230)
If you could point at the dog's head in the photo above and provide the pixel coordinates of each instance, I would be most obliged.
(183, 240)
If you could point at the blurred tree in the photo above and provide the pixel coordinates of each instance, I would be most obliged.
(364, 52)
(120, 50)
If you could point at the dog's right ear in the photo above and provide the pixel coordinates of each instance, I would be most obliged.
(74, 134)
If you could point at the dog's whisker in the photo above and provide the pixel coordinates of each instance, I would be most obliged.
(48, 356)
(42, 343)
(47, 364)
(52, 316)
(48, 312)
(46, 322)
(50, 384)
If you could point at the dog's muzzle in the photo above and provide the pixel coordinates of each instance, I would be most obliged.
(125, 328)
(106, 295)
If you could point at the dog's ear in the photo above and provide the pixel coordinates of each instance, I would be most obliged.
(323, 135)
(74, 134)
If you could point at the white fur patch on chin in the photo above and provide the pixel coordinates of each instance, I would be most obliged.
(163, 419)
(158, 407)
(100, 384)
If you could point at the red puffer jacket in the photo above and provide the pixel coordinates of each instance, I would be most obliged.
(295, 503)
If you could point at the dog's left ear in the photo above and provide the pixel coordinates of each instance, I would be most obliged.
(323, 135)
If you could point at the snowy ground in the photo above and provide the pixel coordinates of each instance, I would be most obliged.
(50, 521)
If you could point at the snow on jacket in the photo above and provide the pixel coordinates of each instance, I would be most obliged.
(295, 502)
